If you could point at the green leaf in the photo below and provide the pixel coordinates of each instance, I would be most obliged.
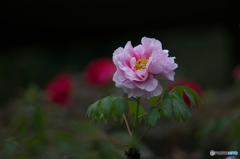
(94, 117)
(106, 105)
(166, 94)
(166, 107)
(166, 104)
(152, 116)
(121, 105)
(154, 100)
(180, 110)
(113, 106)
(189, 94)
(133, 107)
(92, 108)
(192, 95)
(178, 93)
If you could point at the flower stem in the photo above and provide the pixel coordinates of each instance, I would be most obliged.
(126, 121)
(142, 115)
(133, 137)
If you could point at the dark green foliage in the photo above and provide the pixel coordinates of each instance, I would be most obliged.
(180, 110)
(192, 95)
(168, 104)
(133, 107)
(167, 108)
(106, 105)
(40, 130)
(115, 106)
(152, 116)
(171, 105)
(120, 105)
(154, 100)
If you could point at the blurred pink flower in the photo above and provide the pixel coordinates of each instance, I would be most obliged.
(236, 73)
(139, 68)
(99, 72)
(59, 89)
(188, 83)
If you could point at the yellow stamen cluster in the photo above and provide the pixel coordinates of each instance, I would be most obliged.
(141, 64)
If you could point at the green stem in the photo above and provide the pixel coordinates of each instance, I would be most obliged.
(133, 137)
(127, 124)
(142, 115)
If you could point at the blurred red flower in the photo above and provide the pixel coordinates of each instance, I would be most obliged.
(188, 83)
(99, 72)
(236, 73)
(59, 89)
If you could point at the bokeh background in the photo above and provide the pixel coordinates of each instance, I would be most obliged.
(40, 40)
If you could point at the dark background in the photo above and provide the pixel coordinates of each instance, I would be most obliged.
(38, 40)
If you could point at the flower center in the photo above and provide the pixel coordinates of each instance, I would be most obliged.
(141, 64)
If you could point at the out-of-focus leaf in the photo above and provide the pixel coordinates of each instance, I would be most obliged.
(133, 107)
(192, 95)
(106, 105)
(121, 105)
(180, 110)
(92, 108)
(114, 106)
(155, 99)
(177, 92)
(166, 108)
(152, 116)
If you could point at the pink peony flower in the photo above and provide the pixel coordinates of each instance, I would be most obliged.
(140, 67)
(99, 72)
(236, 73)
(59, 89)
(188, 83)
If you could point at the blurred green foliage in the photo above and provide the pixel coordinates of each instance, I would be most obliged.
(41, 130)
(32, 127)
(223, 125)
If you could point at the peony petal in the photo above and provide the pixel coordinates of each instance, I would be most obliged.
(170, 75)
(129, 84)
(141, 75)
(137, 92)
(150, 44)
(155, 68)
(139, 52)
(133, 62)
(130, 75)
(149, 85)
(165, 53)
(128, 46)
(157, 91)
(134, 92)
(116, 80)
(116, 54)
(166, 76)
(128, 49)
